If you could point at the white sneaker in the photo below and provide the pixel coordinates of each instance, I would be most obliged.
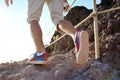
(81, 46)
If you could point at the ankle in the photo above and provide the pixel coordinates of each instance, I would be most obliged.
(39, 54)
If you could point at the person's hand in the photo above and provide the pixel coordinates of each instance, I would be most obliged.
(66, 6)
(8, 2)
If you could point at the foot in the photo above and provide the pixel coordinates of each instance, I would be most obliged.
(81, 46)
(38, 59)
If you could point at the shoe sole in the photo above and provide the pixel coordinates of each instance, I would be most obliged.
(83, 53)
(37, 62)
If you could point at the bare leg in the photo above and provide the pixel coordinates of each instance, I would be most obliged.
(67, 27)
(83, 52)
(37, 36)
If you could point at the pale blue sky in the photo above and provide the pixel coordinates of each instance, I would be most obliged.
(15, 39)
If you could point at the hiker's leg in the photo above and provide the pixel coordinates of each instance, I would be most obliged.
(56, 11)
(81, 41)
(37, 35)
(34, 12)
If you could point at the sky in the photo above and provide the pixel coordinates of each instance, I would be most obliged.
(16, 43)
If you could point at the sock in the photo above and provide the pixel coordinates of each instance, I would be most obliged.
(40, 54)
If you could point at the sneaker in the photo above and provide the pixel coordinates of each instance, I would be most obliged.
(81, 46)
(38, 59)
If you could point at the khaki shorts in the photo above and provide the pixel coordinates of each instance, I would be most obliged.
(55, 7)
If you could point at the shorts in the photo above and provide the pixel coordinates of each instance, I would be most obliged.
(55, 7)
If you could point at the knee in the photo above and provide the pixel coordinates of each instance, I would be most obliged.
(33, 22)
(62, 22)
